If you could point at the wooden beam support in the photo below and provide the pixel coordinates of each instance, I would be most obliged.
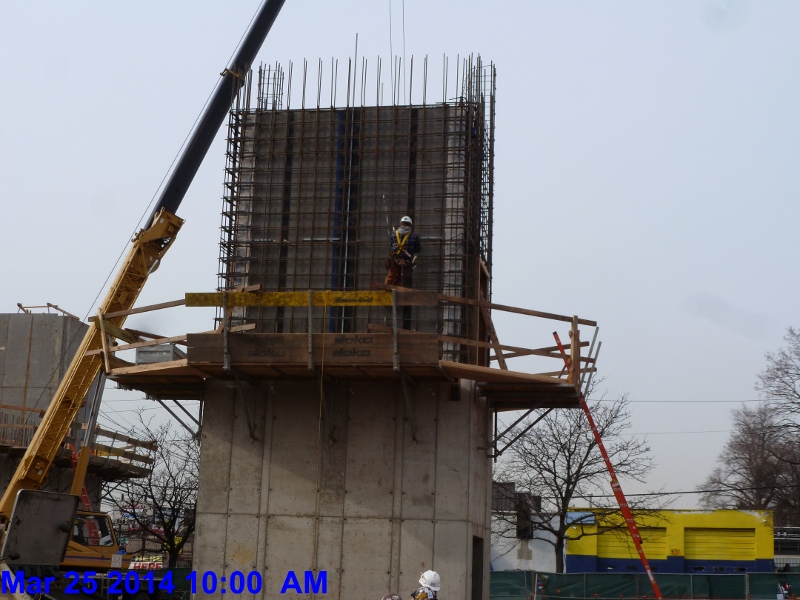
(148, 445)
(487, 318)
(477, 373)
(103, 341)
(550, 351)
(103, 450)
(559, 373)
(513, 309)
(575, 353)
(178, 339)
(142, 309)
(120, 333)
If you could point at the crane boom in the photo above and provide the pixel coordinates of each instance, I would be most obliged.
(144, 257)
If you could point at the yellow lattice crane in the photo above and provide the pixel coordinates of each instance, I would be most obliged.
(144, 257)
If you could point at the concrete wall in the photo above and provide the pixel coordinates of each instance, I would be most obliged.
(388, 507)
(35, 350)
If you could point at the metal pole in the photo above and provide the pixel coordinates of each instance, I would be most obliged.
(394, 331)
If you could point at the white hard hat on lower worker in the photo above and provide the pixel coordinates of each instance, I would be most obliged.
(430, 579)
(406, 219)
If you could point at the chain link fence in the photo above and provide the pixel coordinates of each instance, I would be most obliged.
(529, 585)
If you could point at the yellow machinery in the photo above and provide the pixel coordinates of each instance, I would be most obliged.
(90, 547)
(143, 258)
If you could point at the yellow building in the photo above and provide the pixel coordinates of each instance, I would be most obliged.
(674, 541)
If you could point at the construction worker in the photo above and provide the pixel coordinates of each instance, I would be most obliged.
(430, 586)
(405, 247)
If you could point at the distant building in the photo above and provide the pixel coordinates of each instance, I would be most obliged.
(517, 543)
(147, 548)
(677, 541)
(787, 549)
(35, 352)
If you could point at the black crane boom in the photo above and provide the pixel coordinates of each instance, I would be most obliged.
(209, 123)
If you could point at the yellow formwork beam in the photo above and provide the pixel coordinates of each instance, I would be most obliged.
(328, 298)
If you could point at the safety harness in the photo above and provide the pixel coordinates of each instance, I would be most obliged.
(400, 251)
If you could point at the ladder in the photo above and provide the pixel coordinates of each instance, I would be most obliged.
(615, 486)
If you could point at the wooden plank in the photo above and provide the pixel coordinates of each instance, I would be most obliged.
(103, 341)
(557, 373)
(142, 309)
(487, 318)
(328, 349)
(575, 355)
(513, 309)
(169, 340)
(508, 355)
(150, 367)
(322, 298)
(120, 333)
(550, 351)
(148, 445)
(476, 373)
(103, 450)
(145, 334)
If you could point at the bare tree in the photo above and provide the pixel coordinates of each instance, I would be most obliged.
(751, 465)
(780, 381)
(558, 461)
(759, 467)
(162, 505)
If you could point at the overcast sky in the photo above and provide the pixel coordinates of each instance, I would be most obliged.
(646, 171)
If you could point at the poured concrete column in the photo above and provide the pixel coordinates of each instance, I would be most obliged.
(388, 508)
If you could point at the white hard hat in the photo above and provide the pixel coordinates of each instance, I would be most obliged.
(406, 219)
(430, 579)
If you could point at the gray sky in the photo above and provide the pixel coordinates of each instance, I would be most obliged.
(646, 171)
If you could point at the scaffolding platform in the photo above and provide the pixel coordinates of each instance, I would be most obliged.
(379, 352)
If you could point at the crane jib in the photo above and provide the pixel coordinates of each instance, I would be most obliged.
(216, 110)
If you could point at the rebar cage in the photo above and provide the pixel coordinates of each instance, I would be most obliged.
(312, 196)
